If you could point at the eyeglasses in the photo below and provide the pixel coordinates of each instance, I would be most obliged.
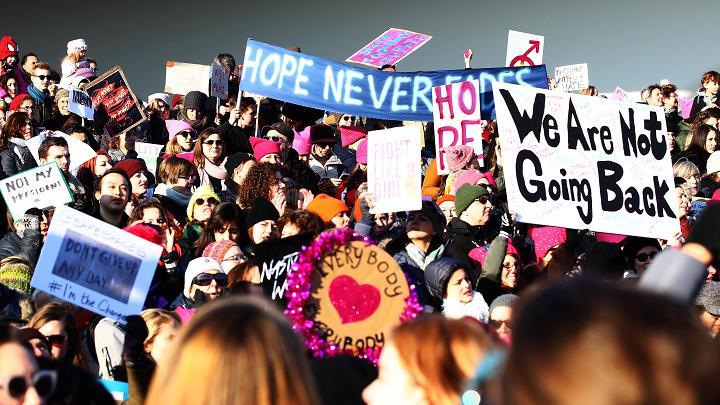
(325, 144)
(43, 381)
(483, 199)
(187, 134)
(276, 138)
(643, 257)
(28, 108)
(205, 279)
(496, 323)
(187, 176)
(217, 142)
(210, 201)
(56, 340)
(42, 77)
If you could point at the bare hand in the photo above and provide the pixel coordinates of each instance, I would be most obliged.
(279, 202)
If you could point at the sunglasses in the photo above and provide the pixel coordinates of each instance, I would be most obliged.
(187, 134)
(42, 77)
(187, 177)
(643, 257)
(325, 144)
(210, 201)
(56, 340)
(495, 324)
(43, 381)
(275, 138)
(348, 118)
(214, 142)
(483, 199)
(205, 279)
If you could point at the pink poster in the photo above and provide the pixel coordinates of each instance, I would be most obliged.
(685, 105)
(389, 48)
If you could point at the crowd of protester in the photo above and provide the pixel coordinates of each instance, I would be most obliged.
(513, 313)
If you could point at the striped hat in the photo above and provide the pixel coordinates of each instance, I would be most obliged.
(16, 276)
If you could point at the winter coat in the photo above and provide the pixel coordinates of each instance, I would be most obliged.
(460, 238)
(300, 172)
(438, 273)
(236, 139)
(177, 207)
(333, 168)
(184, 307)
(28, 247)
(16, 157)
(413, 261)
(708, 187)
(698, 104)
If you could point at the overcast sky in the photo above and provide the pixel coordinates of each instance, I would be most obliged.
(625, 43)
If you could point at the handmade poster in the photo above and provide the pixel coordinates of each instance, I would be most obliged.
(685, 106)
(80, 152)
(275, 260)
(586, 162)
(80, 103)
(524, 49)
(572, 77)
(182, 78)
(393, 170)
(299, 78)
(345, 294)
(389, 48)
(94, 265)
(456, 113)
(112, 91)
(40, 187)
(149, 153)
(619, 95)
(219, 81)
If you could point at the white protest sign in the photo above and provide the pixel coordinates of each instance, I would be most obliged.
(80, 103)
(80, 152)
(95, 265)
(586, 162)
(40, 187)
(572, 77)
(524, 49)
(219, 82)
(394, 170)
(182, 78)
(619, 95)
(149, 153)
(456, 113)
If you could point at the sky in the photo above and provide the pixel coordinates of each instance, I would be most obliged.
(630, 43)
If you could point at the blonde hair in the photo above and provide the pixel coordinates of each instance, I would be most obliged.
(685, 169)
(441, 354)
(237, 350)
(155, 319)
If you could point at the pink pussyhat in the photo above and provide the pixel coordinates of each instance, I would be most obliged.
(546, 238)
(301, 143)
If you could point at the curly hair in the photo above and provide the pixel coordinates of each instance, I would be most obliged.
(260, 178)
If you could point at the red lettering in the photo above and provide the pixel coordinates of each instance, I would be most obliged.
(447, 99)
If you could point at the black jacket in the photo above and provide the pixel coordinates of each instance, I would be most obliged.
(300, 172)
(27, 247)
(237, 139)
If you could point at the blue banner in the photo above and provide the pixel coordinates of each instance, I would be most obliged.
(302, 79)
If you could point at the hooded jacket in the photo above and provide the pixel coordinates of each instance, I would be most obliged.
(438, 273)
(28, 247)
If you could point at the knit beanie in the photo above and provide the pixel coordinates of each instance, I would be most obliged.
(175, 126)
(262, 147)
(326, 207)
(472, 177)
(350, 134)
(546, 238)
(160, 96)
(321, 133)
(433, 213)
(457, 157)
(76, 45)
(713, 162)
(60, 93)
(16, 276)
(130, 166)
(8, 47)
(149, 232)
(505, 300)
(205, 191)
(218, 249)
(479, 254)
(633, 244)
(15, 103)
(281, 127)
(301, 143)
(465, 196)
(709, 297)
(197, 267)
(445, 197)
(261, 210)
(361, 155)
(195, 100)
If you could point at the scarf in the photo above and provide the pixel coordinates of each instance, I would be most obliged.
(476, 309)
(20, 149)
(216, 171)
(421, 258)
(176, 197)
(37, 95)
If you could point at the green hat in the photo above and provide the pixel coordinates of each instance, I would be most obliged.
(16, 276)
(465, 196)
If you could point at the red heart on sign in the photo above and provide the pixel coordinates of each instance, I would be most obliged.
(352, 301)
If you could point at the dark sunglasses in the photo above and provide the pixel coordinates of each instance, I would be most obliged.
(483, 199)
(210, 201)
(205, 279)
(42, 77)
(643, 257)
(275, 138)
(495, 324)
(55, 340)
(348, 118)
(187, 176)
(187, 134)
(325, 144)
(218, 142)
(43, 381)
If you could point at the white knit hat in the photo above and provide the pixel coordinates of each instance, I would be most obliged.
(160, 96)
(76, 45)
(197, 267)
(713, 162)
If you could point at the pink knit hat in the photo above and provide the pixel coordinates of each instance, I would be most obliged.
(472, 177)
(262, 147)
(217, 250)
(479, 254)
(546, 238)
(609, 237)
(457, 157)
(301, 143)
(175, 126)
(361, 155)
(349, 135)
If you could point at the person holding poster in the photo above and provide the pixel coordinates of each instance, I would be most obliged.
(56, 149)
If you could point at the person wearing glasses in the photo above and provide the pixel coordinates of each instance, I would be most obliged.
(323, 160)
(210, 156)
(21, 382)
(182, 137)
(57, 323)
(200, 209)
(205, 281)
(639, 253)
(40, 92)
(15, 156)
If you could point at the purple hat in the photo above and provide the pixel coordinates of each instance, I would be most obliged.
(361, 155)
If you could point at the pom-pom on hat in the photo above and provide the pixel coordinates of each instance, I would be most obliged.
(350, 134)
(326, 207)
(76, 45)
(457, 157)
(361, 155)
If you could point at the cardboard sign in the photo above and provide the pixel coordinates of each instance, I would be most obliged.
(40, 187)
(219, 82)
(586, 162)
(572, 77)
(456, 112)
(394, 170)
(80, 152)
(358, 295)
(389, 48)
(149, 153)
(95, 265)
(80, 103)
(112, 90)
(275, 260)
(182, 78)
(685, 106)
(619, 95)
(524, 49)
(302, 79)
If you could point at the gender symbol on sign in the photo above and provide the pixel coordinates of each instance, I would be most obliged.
(524, 59)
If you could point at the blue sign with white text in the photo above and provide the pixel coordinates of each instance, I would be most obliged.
(302, 79)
